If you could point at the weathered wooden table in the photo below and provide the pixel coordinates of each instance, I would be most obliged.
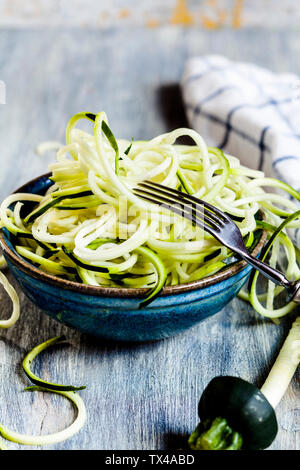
(138, 396)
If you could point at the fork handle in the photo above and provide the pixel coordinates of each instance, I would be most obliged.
(271, 273)
(293, 288)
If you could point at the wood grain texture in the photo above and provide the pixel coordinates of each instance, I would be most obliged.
(138, 396)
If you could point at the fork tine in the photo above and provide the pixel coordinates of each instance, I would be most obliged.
(195, 210)
(181, 199)
(188, 216)
(187, 211)
(158, 187)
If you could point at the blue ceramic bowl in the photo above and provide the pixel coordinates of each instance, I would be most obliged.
(114, 313)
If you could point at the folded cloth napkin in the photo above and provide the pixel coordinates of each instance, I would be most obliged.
(247, 111)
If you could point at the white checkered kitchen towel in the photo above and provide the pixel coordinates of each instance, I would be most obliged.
(248, 112)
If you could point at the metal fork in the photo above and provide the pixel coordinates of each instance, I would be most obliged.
(215, 222)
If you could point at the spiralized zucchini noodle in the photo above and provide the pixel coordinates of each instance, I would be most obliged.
(90, 227)
(27, 364)
(56, 437)
(15, 300)
(41, 385)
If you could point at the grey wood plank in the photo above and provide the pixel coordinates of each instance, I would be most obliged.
(202, 14)
(138, 396)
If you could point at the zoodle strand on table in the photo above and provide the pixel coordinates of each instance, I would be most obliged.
(89, 227)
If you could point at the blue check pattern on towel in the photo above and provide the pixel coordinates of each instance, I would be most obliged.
(248, 112)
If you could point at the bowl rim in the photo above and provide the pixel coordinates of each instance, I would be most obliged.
(130, 292)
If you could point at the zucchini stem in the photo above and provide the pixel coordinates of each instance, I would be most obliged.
(284, 367)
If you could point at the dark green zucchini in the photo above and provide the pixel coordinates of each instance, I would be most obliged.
(234, 411)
